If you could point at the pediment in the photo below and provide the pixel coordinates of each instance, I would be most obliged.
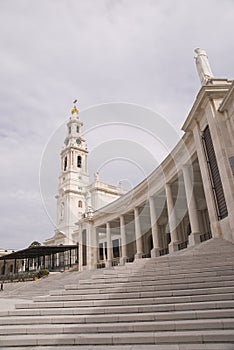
(59, 234)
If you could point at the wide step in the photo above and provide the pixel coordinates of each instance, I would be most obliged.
(224, 336)
(180, 302)
(122, 327)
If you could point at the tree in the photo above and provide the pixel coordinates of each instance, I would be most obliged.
(35, 244)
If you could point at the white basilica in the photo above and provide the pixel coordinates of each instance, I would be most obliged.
(188, 199)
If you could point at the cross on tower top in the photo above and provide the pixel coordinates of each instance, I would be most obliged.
(74, 109)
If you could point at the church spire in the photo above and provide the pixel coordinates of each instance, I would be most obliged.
(73, 179)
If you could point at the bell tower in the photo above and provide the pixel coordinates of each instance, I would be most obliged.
(73, 179)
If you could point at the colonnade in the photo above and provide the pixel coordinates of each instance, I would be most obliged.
(96, 234)
(197, 174)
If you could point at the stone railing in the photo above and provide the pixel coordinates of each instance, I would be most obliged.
(115, 261)
(163, 251)
(205, 236)
(182, 245)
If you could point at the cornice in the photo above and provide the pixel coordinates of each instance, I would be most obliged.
(227, 98)
(206, 92)
(73, 148)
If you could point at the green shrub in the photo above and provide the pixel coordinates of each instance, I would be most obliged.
(42, 273)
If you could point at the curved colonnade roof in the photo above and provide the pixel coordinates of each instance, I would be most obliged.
(183, 153)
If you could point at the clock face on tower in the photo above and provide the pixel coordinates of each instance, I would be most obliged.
(78, 141)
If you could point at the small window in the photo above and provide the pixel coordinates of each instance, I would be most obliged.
(80, 204)
(77, 129)
(65, 164)
(79, 161)
(62, 211)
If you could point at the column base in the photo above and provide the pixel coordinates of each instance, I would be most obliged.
(83, 268)
(92, 267)
(155, 252)
(194, 238)
(173, 247)
(138, 256)
(123, 260)
(109, 263)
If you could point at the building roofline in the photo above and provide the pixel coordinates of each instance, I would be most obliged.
(227, 98)
(216, 89)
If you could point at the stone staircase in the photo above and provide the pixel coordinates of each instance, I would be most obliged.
(30, 289)
(179, 301)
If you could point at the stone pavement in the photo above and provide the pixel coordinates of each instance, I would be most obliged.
(9, 304)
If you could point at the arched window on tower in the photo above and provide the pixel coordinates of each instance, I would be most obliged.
(80, 204)
(77, 129)
(79, 161)
(65, 164)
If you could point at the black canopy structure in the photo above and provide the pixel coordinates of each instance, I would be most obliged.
(37, 251)
(40, 253)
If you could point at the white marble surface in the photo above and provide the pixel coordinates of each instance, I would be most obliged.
(9, 304)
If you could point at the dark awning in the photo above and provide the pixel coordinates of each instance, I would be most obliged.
(36, 251)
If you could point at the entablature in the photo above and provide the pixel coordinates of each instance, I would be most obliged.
(207, 92)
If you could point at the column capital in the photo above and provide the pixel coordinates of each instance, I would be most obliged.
(121, 219)
(186, 166)
(136, 210)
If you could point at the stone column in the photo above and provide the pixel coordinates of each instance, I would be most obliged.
(80, 243)
(124, 256)
(109, 246)
(92, 255)
(96, 247)
(154, 229)
(194, 237)
(104, 251)
(173, 246)
(206, 182)
(139, 248)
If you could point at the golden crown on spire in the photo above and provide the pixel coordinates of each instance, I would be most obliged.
(74, 109)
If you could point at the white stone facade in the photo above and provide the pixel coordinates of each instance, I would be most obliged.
(76, 195)
(188, 199)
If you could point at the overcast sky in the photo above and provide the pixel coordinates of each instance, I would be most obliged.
(52, 51)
